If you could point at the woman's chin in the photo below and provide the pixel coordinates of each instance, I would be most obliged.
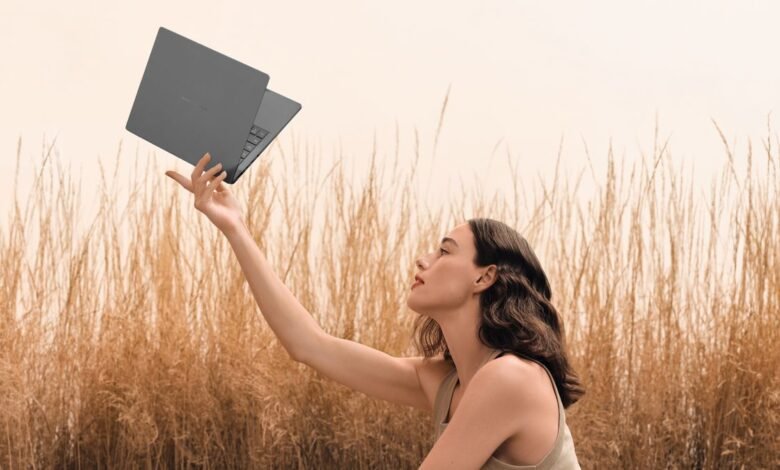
(414, 305)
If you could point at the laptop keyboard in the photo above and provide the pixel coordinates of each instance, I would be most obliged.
(256, 135)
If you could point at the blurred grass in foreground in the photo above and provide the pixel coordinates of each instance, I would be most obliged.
(156, 355)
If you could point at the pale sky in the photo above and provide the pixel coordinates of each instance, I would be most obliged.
(523, 73)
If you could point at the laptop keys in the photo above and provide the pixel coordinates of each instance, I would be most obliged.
(258, 131)
(256, 134)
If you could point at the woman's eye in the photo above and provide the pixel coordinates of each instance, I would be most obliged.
(442, 250)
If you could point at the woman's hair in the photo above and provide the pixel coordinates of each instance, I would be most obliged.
(517, 314)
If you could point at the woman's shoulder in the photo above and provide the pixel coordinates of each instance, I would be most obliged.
(527, 391)
(527, 377)
(521, 363)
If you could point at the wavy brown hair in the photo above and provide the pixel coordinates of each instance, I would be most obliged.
(517, 313)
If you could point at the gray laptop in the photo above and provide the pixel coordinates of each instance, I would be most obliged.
(193, 100)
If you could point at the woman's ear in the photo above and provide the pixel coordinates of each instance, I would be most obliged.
(489, 268)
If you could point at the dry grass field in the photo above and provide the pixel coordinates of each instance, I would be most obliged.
(137, 343)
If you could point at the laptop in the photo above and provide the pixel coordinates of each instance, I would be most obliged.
(193, 100)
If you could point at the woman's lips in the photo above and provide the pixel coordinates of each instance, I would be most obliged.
(416, 283)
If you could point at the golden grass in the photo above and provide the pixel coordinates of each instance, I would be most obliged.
(138, 343)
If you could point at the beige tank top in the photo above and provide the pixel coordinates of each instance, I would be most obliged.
(562, 455)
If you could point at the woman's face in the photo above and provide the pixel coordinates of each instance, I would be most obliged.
(448, 274)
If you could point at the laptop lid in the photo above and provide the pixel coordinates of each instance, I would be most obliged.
(193, 100)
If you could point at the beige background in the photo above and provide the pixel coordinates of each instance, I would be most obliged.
(525, 74)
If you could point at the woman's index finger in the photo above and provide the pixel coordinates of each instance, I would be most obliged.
(180, 179)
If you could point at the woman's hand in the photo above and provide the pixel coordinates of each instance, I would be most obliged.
(220, 206)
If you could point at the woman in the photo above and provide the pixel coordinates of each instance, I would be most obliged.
(482, 294)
